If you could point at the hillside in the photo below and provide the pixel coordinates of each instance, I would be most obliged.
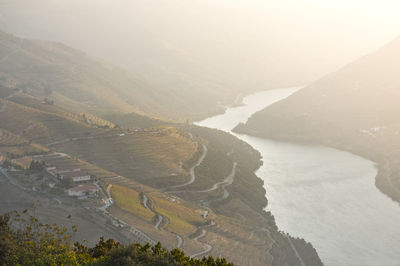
(147, 173)
(354, 109)
(79, 82)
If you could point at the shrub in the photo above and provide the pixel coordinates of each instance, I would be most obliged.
(25, 241)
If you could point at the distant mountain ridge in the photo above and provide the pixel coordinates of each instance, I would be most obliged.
(356, 109)
(76, 81)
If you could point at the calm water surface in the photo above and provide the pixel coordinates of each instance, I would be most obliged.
(323, 195)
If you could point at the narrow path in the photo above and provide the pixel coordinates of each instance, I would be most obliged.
(58, 201)
(226, 181)
(180, 241)
(108, 190)
(208, 247)
(295, 251)
(202, 234)
(141, 235)
(273, 243)
(223, 184)
(145, 201)
(160, 219)
(83, 138)
(108, 201)
(192, 174)
(11, 180)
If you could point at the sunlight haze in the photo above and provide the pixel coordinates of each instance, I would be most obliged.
(200, 132)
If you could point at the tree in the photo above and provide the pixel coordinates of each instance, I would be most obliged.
(37, 165)
(25, 241)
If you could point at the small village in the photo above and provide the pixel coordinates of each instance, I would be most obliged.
(69, 181)
(52, 173)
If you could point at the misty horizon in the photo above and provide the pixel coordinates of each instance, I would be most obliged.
(201, 132)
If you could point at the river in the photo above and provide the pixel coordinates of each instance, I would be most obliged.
(324, 195)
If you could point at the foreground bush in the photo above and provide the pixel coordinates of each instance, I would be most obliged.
(25, 241)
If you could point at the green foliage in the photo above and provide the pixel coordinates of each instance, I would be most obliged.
(25, 241)
(37, 165)
(136, 254)
(7, 163)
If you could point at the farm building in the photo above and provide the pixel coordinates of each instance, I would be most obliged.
(76, 176)
(82, 190)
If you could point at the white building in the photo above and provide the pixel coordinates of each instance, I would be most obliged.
(82, 190)
(76, 176)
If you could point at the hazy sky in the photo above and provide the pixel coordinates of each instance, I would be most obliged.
(225, 37)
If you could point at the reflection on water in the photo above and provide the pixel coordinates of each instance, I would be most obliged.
(323, 195)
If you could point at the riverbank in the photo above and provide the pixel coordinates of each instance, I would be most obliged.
(226, 123)
(384, 155)
(298, 174)
(242, 200)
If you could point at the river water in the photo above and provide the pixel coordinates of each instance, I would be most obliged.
(324, 195)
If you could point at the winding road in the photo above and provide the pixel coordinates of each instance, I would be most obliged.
(192, 174)
(159, 216)
(226, 182)
(295, 251)
(222, 184)
(180, 241)
(160, 219)
(145, 201)
(108, 201)
(208, 247)
(85, 138)
(11, 180)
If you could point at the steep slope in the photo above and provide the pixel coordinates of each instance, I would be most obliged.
(354, 109)
(74, 80)
(140, 170)
(159, 149)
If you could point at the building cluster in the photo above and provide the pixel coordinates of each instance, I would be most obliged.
(79, 180)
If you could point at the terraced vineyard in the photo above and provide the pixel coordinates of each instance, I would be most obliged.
(182, 219)
(96, 121)
(150, 157)
(9, 139)
(227, 219)
(129, 200)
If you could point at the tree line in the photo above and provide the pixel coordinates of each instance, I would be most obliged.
(26, 241)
